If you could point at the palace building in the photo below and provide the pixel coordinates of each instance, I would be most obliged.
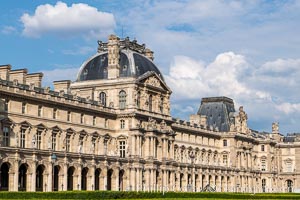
(111, 129)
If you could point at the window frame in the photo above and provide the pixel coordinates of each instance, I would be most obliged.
(122, 100)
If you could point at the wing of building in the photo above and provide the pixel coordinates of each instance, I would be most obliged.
(111, 129)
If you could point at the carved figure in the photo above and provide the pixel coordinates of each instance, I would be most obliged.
(275, 127)
(33, 141)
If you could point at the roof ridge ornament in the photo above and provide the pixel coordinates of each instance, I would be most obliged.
(123, 44)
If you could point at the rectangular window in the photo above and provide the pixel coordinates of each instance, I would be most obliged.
(262, 147)
(39, 111)
(68, 137)
(122, 147)
(6, 132)
(225, 161)
(69, 116)
(94, 120)
(263, 165)
(53, 141)
(38, 139)
(224, 143)
(22, 138)
(82, 118)
(23, 108)
(54, 113)
(122, 124)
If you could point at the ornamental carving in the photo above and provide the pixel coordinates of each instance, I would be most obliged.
(153, 82)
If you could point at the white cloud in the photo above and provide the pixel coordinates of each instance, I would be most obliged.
(221, 77)
(8, 30)
(78, 19)
(265, 97)
(288, 108)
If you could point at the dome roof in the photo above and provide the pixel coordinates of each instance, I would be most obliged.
(132, 64)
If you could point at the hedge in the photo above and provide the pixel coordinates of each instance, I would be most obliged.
(141, 195)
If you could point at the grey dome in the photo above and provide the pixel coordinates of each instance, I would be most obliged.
(132, 64)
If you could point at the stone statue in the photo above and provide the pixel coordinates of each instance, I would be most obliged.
(241, 121)
(49, 142)
(33, 141)
(80, 147)
(17, 139)
(275, 127)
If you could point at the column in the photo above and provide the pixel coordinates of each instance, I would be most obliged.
(116, 172)
(133, 145)
(14, 177)
(128, 179)
(64, 177)
(219, 185)
(147, 147)
(91, 179)
(138, 184)
(33, 177)
(151, 147)
(50, 177)
(199, 184)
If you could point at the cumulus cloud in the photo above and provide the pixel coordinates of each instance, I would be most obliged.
(77, 20)
(264, 96)
(221, 77)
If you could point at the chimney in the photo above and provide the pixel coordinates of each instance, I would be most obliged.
(19, 75)
(35, 79)
(4, 72)
(113, 57)
(63, 85)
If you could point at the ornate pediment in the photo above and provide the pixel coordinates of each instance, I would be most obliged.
(153, 80)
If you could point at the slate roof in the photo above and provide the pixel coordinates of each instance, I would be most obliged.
(218, 111)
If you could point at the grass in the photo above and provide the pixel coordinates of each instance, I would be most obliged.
(93, 195)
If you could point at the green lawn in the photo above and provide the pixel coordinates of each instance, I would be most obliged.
(93, 195)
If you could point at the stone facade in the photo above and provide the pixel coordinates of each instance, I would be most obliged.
(116, 133)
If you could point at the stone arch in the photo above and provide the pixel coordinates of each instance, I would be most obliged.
(289, 185)
(109, 179)
(22, 179)
(4, 176)
(97, 178)
(70, 178)
(84, 173)
(56, 175)
(39, 179)
(121, 180)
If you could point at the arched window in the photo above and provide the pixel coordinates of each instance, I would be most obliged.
(289, 185)
(263, 185)
(122, 99)
(150, 103)
(102, 98)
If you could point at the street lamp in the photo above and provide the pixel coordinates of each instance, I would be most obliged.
(53, 159)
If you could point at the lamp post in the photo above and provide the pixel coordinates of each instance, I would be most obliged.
(53, 159)
(192, 157)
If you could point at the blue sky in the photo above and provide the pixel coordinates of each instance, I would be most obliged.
(246, 50)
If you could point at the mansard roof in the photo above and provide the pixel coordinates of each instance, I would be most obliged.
(218, 111)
